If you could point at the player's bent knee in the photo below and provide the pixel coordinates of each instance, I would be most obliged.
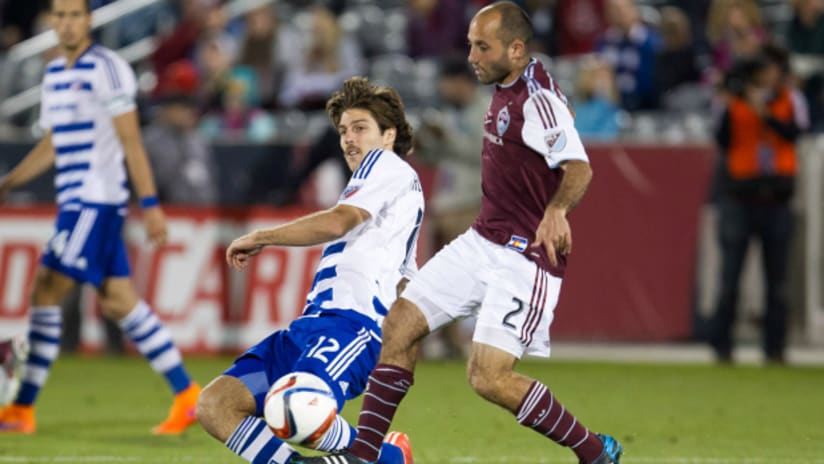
(209, 409)
(486, 382)
(50, 288)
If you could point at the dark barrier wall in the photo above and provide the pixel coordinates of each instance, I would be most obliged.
(632, 268)
(630, 278)
(246, 172)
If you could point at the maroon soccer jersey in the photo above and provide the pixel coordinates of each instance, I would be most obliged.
(529, 132)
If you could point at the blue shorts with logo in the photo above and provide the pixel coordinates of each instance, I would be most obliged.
(339, 346)
(87, 245)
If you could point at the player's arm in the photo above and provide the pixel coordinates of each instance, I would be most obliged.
(37, 161)
(549, 129)
(554, 232)
(140, 174)
(314, 229)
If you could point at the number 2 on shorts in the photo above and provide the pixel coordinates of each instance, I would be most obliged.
(514, 312)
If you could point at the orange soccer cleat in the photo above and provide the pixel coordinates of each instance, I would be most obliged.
(181, 414)
(17, 418)
(401, 440)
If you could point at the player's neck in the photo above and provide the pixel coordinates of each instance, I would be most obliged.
(73, 54)
(514, 74)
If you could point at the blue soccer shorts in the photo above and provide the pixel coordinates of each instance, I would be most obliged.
(338, 348)
(87, 245)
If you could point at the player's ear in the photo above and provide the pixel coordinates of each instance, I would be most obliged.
(517, 50)
(389, 136)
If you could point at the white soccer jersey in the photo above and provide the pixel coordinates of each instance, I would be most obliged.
(361, 270)
(77, 105)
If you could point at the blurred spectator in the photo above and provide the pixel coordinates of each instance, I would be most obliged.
(17, 21)
(436, 28)
(329, 58)
(629, 46)
(596, 109)
(241, 116)
(578, 26)
(181, 158)
(199, 19)
(180, 43)
(452, 140)
(734, 31)
(806, 30)
(762, 120)
(677, 62)
(267, 48)
(214, 63)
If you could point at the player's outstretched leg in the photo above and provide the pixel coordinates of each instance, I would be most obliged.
(154, 342)
(120, 302)
(14, 418)
(534, 406)
(46, 325)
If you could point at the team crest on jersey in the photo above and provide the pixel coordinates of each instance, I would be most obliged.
(503, 120)
(556, 141)
(517, 243)
(350, 190)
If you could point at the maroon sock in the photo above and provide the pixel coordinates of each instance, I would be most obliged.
(387, 387)
(542, 413)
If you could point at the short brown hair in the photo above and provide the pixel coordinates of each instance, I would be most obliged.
(383, 103)
(514, 22)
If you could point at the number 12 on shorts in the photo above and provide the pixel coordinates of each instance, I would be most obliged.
(324, 345)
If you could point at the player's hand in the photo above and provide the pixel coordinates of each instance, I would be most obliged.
(554, 234)
(156, 228)
(5, 188)
(241, 249)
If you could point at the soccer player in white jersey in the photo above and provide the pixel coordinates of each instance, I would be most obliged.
(507, 268)
(88, 112)
(371, 236)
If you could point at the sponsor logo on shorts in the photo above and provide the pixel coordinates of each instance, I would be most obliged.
(517, 243)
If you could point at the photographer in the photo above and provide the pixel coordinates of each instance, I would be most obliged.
(762, 119)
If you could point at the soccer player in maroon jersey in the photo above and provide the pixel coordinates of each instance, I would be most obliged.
(508, 267)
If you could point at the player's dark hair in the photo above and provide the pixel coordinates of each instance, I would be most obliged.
(86, 3)
(515, 22)
(383, 103)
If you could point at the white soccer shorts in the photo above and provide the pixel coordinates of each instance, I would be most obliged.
(511, 296)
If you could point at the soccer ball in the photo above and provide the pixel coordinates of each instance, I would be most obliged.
(12, 356)
(300, 408)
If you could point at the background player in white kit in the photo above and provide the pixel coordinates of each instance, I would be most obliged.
(507, 268)
(372, 237)
(89, 114)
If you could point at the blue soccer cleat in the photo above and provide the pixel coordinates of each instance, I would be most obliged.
(612, 451)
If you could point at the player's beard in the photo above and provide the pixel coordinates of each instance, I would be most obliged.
(496, 71)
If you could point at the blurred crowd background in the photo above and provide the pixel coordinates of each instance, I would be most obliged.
(259, 72)
(232, 94)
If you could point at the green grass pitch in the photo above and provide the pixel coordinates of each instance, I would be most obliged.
(97, 410)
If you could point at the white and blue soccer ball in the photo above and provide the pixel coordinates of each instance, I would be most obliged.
(13, 353)
(299, 408)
